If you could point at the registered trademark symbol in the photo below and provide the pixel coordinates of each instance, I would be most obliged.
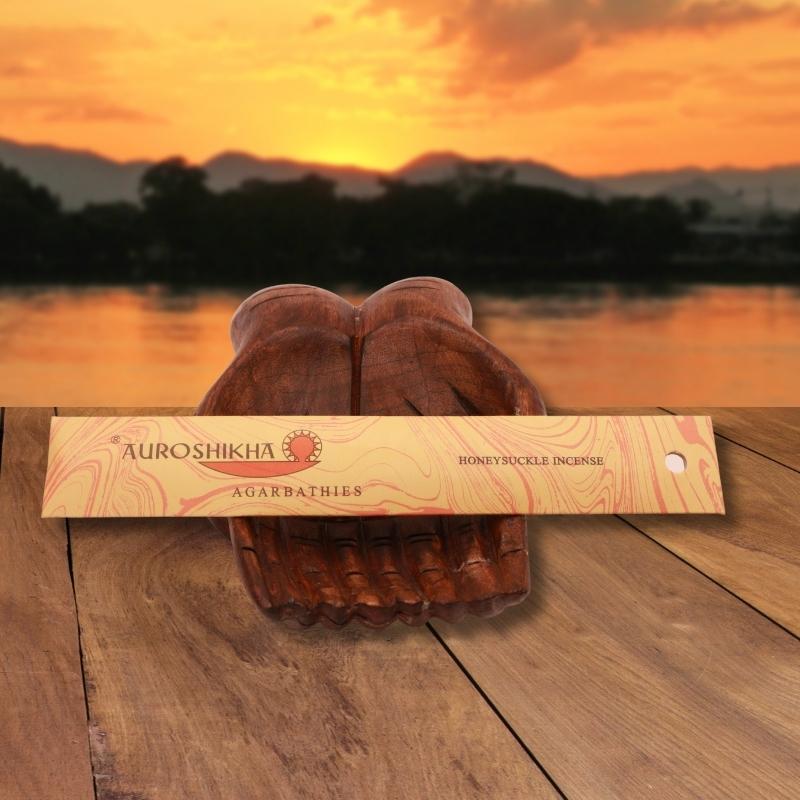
(115, 439)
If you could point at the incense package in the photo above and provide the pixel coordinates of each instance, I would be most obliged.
(374, 465)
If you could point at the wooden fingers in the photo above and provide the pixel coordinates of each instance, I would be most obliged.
(408, 349)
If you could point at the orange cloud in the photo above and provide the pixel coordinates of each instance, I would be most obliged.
(505, 42)
(99, 111)
(56, 109)
(319, 21)
(588, 85)
(57, 52)
(60, 74)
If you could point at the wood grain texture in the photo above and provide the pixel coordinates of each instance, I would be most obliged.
(194, 695)
(409, 349)
(754, 550)
(44, 750)
(773, 432)
(631, 675)
(626, 411)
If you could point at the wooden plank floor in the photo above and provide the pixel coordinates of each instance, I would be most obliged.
(770, 432)
(656, 657)
(44, 748)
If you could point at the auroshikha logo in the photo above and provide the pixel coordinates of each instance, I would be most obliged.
(301, 450)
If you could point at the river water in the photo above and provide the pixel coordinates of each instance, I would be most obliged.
(583, 345)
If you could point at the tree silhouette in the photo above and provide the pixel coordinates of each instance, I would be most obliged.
(295, 223)
(29, 218)
(177, 208)
(478, 226)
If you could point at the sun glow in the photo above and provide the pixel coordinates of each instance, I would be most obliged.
(348, 155)
(376, 83)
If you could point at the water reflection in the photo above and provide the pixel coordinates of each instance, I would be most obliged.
(586, 345)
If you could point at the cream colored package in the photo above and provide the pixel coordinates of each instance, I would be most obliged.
(368, 466)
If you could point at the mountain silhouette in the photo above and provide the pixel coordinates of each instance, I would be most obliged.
(76, 176)
(227, 170)
(79, 177)
(755, 188)
(438, 166)
(701, 188)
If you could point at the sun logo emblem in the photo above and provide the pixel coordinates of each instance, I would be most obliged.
(302, 446)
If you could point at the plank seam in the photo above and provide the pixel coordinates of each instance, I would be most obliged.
(2, 423)
(744, 446)
(496, 711)
(87, 710)
(80, 656)
(708, 577)
(757, 452)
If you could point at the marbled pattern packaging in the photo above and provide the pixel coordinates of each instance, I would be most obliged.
(374, 466)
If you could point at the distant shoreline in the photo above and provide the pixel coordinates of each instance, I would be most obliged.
(478, 227)
(688, 273)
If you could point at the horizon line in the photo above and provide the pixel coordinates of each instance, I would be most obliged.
(688, 166)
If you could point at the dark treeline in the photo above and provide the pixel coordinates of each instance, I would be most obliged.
(469, 229)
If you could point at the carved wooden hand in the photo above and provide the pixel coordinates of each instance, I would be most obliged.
(408, 349)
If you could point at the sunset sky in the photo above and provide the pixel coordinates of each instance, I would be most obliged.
(590, 86)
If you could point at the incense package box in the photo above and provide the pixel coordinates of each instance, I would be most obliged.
(230, 466)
